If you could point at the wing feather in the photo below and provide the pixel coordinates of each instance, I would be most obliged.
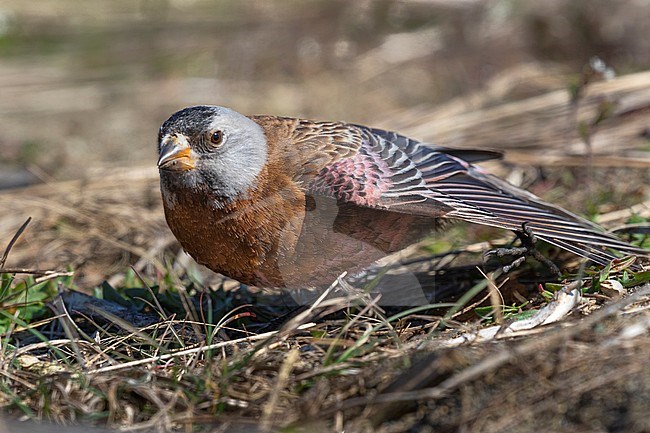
(383, 169)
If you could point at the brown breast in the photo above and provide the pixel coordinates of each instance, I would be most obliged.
(239, 239)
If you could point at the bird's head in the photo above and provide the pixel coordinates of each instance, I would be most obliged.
(210, 148)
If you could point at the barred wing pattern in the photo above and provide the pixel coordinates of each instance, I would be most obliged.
(393, 172)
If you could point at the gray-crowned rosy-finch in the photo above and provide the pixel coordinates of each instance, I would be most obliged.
(283, 202)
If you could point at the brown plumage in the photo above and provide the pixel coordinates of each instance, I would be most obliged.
(283, 202)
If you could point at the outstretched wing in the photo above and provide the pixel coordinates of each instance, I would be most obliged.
(386, 170)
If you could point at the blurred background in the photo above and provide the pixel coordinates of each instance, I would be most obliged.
(85, 86)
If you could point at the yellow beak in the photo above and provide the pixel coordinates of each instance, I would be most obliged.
(176, 154)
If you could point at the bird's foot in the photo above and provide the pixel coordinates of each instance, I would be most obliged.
(527, 248)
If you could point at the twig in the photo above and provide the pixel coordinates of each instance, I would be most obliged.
(280, 384)
(13, 241)
(43, 275)
(496, 298)
(189, 351)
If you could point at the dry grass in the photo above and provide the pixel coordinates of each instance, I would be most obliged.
(337, 366)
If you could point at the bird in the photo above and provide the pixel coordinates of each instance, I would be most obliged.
(287, 202)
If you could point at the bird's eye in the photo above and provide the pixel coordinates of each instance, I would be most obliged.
(216, 137)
